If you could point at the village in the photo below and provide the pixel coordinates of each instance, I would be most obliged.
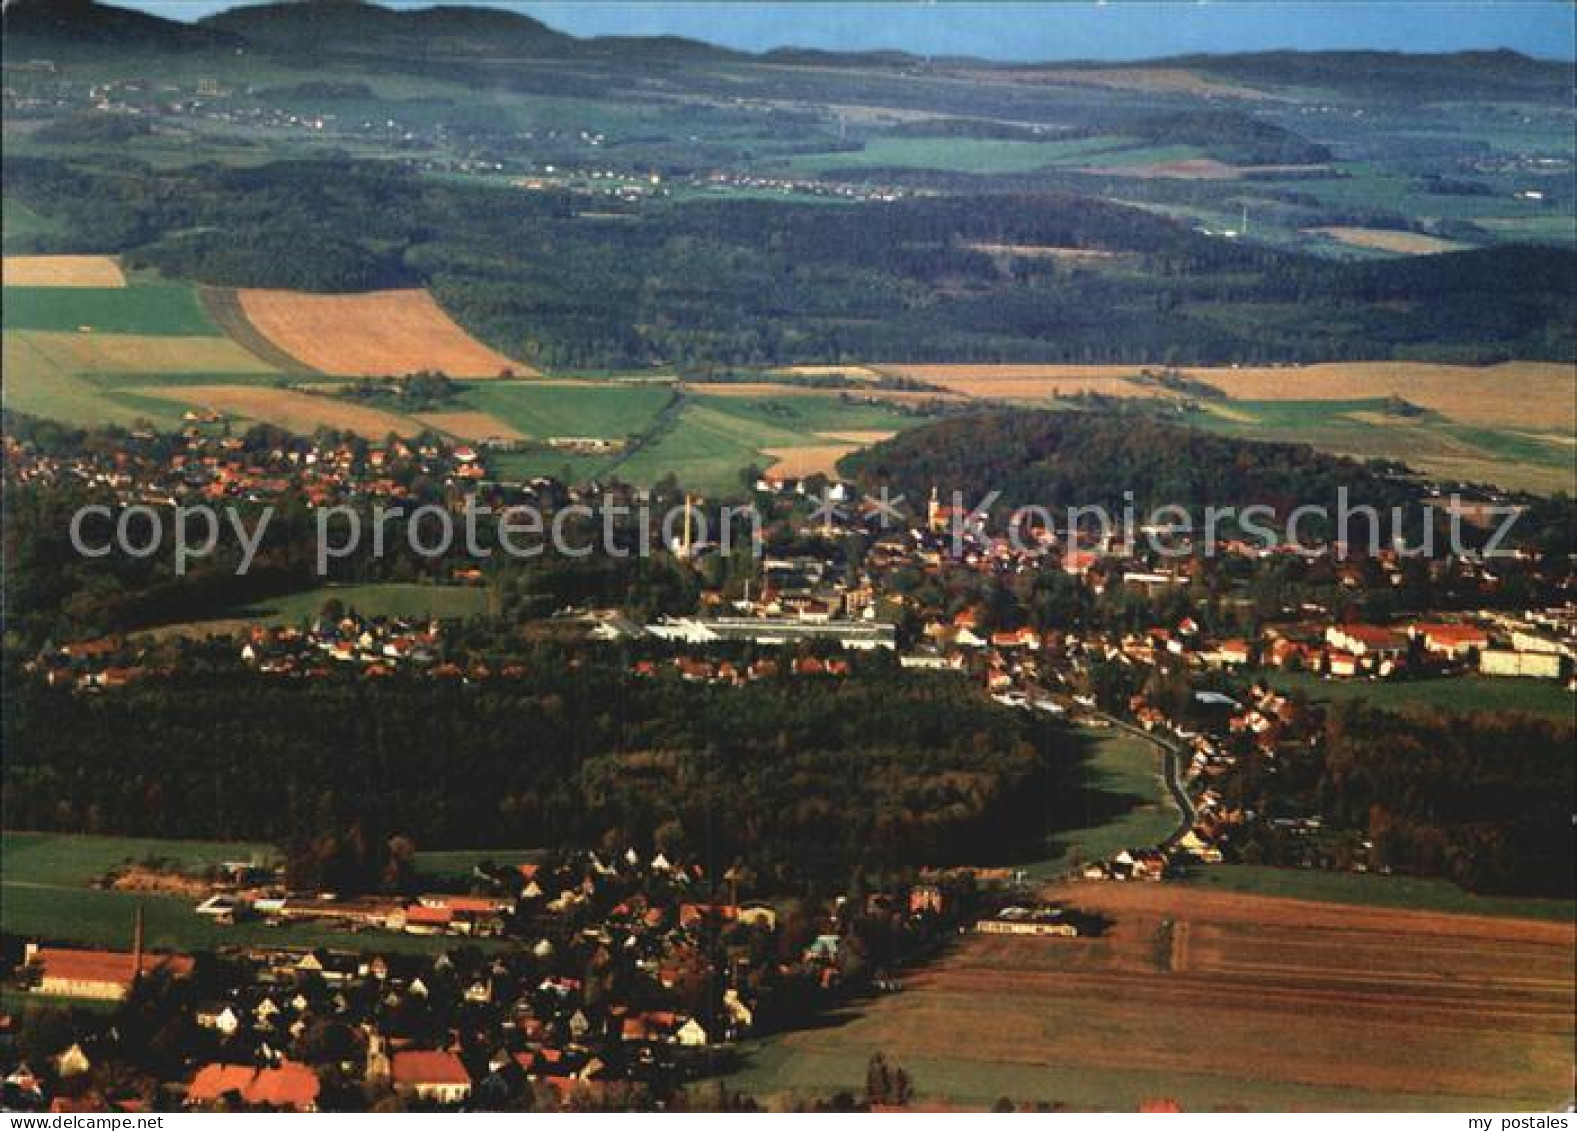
(1189, 649)
(578, 983)
(595, 979)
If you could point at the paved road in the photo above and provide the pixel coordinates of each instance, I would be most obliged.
(1172, 762)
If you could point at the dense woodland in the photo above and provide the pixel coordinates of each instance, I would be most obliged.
(1482, 799)
(705, 284)
(1063, 459)
(883, 768)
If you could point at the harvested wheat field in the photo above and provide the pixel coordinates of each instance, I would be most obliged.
(1527, 394)
(296, 411)
(62, 271)
(377, 333)
(473, 427)
(1222, 1001)
(815, 459)
(1185, 168)
(1168, 80)
(855, 372)
(859, 436)
(1385, 239)
(756, 389)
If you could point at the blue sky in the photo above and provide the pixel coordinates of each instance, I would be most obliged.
(1071, 29)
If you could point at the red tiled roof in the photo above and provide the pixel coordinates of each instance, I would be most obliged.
(428, 1066)
(428, 916)
(1374, 636)
(1454, 633)
(291, 1084)
(106, 965)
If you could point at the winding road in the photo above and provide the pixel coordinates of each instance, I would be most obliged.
(1172, 759)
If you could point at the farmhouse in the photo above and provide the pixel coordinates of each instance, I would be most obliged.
(432, 1075)
(104, 975)
(862, 635)
(289, 1085)
(1504, 661)
(1454, 641)
(1040, 921)
(1366, 640)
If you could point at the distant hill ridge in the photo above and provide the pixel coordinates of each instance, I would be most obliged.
(357, 27)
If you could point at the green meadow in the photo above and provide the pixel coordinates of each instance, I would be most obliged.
(1429, 442)
(1403, 892)
(46, 884)
(163, 309)
(608, 410)
(1127, 802)
(1460, 694)
(957, 154)
(396, 600)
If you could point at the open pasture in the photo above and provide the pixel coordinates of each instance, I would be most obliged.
(46, 894)
(545, 409)
(166, 309)
(288, 408)
(1385, 239)
(956, 154)
(86, 379)
(749, 390)
(61, 271)
(1457, 694)
(1125, 803)
(1219, 1001)
(713, 438)
(407, 600)
(378, 333)
(1151, 80)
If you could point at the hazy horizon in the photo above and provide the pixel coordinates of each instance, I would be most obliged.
(1046, 31)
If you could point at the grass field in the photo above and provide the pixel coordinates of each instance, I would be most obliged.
(1369, 188)
(955, 154)
(1126, 804)
(21, 225)
(567, 467)
(722, 429)
(297, 411)
(86, 379)
(1366, 429)
(159, 309)
(545, 409)
(79, 354)
(61, 271)
(380, 333)
(1386, 239)
(392, 599)
(1218, 1001)
(46, 880)
(1460, 694)
(816, 415)
(1405, 893)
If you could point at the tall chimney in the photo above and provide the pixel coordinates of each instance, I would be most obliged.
(136, 946)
